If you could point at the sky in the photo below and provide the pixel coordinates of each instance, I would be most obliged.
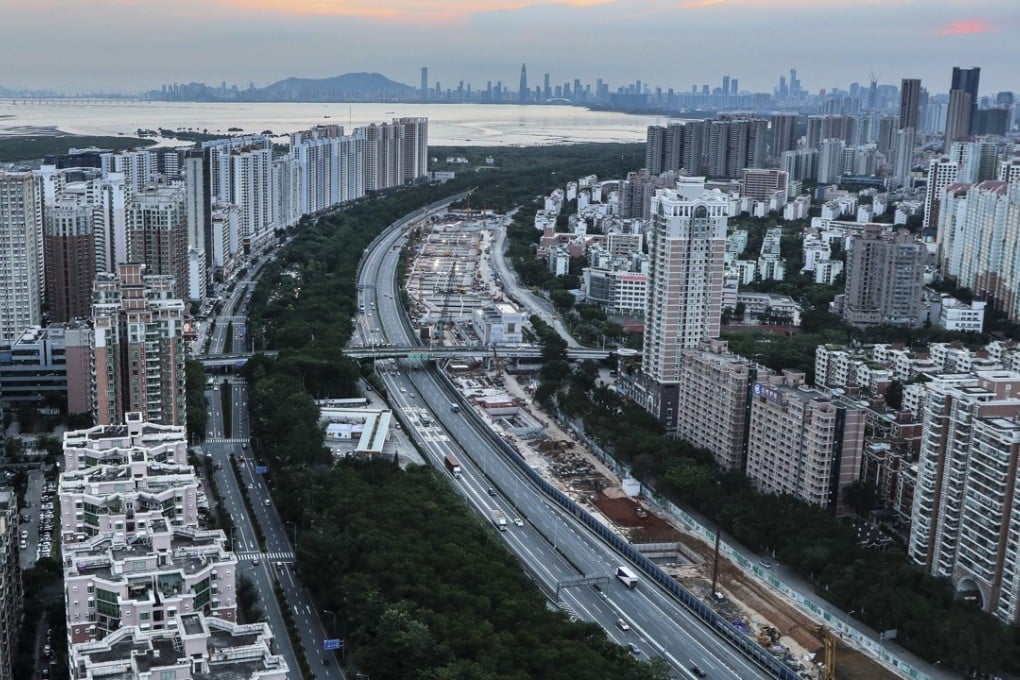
(135, 45)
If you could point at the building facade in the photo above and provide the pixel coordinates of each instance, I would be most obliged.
(21, 254)
(11, 594)
(138, 348)
(714, 400)
(884, 278)
(802, 442)
(966, 518)
(687, 243)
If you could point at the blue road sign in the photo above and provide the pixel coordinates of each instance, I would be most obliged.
(261, 469)
(332, 643)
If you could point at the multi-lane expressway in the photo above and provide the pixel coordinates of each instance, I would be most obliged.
(554, 547)
(274, 564)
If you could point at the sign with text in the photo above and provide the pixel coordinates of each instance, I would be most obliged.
(332, 643)
(768, 392)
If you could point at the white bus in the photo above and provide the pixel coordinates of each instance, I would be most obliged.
(626, 576)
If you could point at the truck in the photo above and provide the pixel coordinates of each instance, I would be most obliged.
(499, 519)
(626, 576)
(453, 465)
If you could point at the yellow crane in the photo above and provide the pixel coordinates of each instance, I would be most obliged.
(829, 645)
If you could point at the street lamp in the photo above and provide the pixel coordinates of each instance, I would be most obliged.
(330, 611)
(846, 620)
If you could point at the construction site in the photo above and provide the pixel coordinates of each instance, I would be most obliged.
(448, 277)
(744, 600)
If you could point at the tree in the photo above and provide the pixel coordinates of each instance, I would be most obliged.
(562, 300)
(894, 395)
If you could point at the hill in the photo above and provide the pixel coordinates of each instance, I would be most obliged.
(348, 87)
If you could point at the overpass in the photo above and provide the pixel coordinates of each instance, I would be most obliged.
(229, 360)
(423, 353)
(420, 353)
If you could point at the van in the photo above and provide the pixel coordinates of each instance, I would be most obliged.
(622, 624)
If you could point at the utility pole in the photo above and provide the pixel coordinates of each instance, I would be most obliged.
(715, 561)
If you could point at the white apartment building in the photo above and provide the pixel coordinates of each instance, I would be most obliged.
(941, 173)
(22, 279)
(955, 315)
(618, 291)
(136, 166)
(251, 190)
(687, 242)
(132, 550)
(826, 271)
(966, 520)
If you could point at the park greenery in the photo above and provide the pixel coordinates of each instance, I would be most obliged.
(34, 147)
(421, 587)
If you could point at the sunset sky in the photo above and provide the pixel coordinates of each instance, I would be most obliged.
(131, 45)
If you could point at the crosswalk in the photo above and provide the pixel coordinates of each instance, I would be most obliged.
(268, 557)
(226, 440)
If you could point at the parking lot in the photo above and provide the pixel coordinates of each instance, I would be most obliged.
(39, 519)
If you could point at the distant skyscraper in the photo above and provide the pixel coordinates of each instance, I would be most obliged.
(546, 89)
(910, 101)
(783, 127)
(687, 240)
(903, 154)
(522, 92)
(725, 85)
(21, 236)
(958, 117)
(424, 92)
(733, 86)
(967, 79)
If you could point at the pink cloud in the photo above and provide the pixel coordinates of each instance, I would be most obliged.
(965, 27)
(697, 4)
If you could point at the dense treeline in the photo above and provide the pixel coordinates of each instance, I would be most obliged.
(194, 398)
(423, 590)
(420, 586)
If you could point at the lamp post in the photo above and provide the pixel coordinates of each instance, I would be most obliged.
(330, 611)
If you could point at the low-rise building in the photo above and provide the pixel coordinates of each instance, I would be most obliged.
(33, 368)
(618, 291)
(955, 315)
(499, 324)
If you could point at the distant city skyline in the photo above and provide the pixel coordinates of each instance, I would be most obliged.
(664, 44)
